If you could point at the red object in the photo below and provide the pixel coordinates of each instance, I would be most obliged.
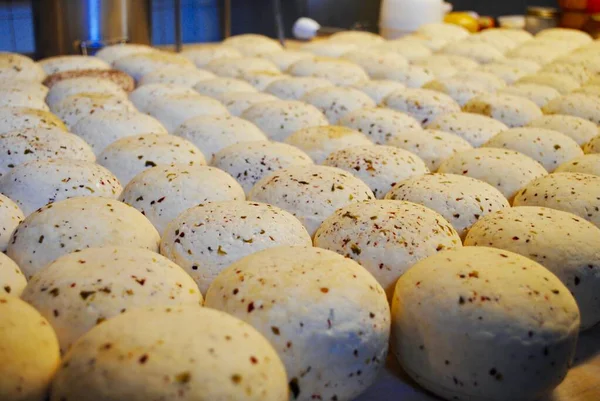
(593, 6)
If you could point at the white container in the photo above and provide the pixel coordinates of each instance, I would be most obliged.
(401, 17)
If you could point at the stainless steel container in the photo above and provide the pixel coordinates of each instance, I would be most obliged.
(85, 26)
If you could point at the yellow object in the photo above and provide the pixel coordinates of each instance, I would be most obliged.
(463, 19)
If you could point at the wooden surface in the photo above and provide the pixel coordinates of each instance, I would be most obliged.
(581, 384)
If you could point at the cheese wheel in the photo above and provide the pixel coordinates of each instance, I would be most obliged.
(576, 104)
(575, 193)
(538, 94)
(29, 350)
(174, 110)
(356, 37)
(329, 48)
(74, 86)
(285, 58)
(412, 76)
(204, 54)
(578, 129)
(73, 108)
(238, 102)
(105, 127)
(325, 315)
(260, 80)
(176, 75)
(208, 238)
(311, 193)
(12, 280)
(456, 333)
(459, 89)
(335, 103)
(374, 61)
(474, 128)
(422, 104)
(412, 50)
(144, 95)
(339, 72)
(139, 64)
(562, 242)
(320, 142)
(252, 44)
(593, 146)
(386, 237)
(32, 88)
(112, 53)
(564, 84)
(506, 170)
(218, 87)
(280, 119)
(573, 35)
(508, 73)
(521, 63)
(250, 162)
(164, 192)
(11, 216)
(587, 164)
(57, 64)
(294, 88)
(20, 118)
(17, 98)
(211, 134)
(380, 167)
(238, 67)
(379, 89)
(83, 289)
(35, 184)
(379, 124)
(443, 30)
(482, 52)
(131, 155)
(186, 352)
(33, 144)
(75, 224)
(514, 111)
(460, 200)
(432, 146)
(549, 148)
(16, 66)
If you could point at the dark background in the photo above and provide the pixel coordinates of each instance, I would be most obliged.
(201, 21)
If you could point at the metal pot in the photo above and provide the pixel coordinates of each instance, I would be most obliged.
(85, 26)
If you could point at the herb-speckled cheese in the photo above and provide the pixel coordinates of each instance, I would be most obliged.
(73, 108)
(250, 162)
(204, 54)
(139, 64)
(462, 329)
(75, 86)
(280, 119)
(218, 87)
(17, 66)
(379, 124)
(252, 44)
(186, 353)
(164, 192)
(31, 144)
(586, 164)
(38, 183)
(339, 72)
(506, 170)
(336, 103)
(563, 243)
(54, 65)
(320, 142)
(514, 111)
(12, 280)
(75, 224)
(380, 167)
(326, 316)
(174, 110)
(294, 88)
(238, 67)
(208, 238)
(144, 95)
(474, 128)
(549, 148)
(105, 127)
(238, 102)
(538, 94)
(378, 89)
(20, 118)
(575, 193)
(423, 104)
(578, 129)
(211, 134)
(576, 104)
(432, 146)
(176, 75)
(83, 289)
(29, 351)
(131, 155)
(459, 199)
(311, 193)
(386, 237)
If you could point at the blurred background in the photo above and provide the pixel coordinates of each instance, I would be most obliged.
(201, 19)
